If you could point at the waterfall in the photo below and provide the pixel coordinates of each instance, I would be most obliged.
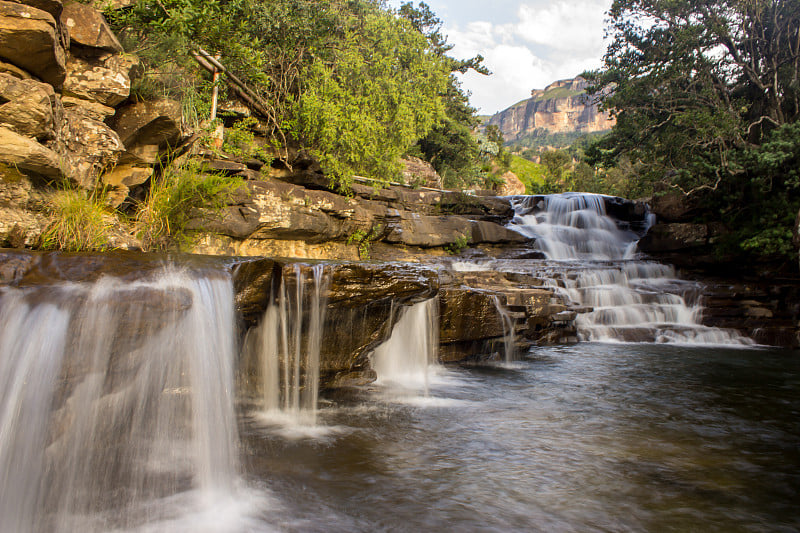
(509, 333)
(114, 396)
(405, 359)
(289, 366)
(572, 226)
(627, 299)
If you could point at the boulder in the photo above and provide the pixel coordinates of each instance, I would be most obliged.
(28, 155)
(672, 237)
(428, 231)
(484, 232)
(271, 209)
(30, 40)
(673, 207)
(121, 178)
(511, 185)
(93, 110)
(420, 173)
(30, 107)
(13, 70)
(88, 28)
(54, 7)
(491, 208)
(99, 80)
(90, 147)
(147, 128)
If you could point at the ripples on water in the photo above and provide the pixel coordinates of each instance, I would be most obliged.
(590, 437)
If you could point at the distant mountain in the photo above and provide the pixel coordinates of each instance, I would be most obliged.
(562, 110)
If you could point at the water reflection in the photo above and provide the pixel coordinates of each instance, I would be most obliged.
(591, 437)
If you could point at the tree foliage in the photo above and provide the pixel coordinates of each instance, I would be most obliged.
(347, 79)
(703, 93)
(451, 146)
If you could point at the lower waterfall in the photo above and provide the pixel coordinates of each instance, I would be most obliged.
(592, 264)
(114, 396)
(408, 357)
(287, 346)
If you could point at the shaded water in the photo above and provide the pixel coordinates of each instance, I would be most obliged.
(593, 437)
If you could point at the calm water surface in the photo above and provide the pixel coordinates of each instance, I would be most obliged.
(593, 437)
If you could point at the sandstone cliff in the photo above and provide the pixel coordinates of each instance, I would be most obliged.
(562, 107)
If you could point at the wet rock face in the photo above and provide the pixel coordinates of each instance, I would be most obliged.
(478, 311)
(362, 303)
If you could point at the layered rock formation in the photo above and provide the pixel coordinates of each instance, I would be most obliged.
(364, 300)
(562, 107)
(65, 114)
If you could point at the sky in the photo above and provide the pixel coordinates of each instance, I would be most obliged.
(527, 44)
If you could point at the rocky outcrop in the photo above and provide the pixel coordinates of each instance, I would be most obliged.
(57, 92)
(268, 210)
(88, 28)
(363, 300)
(27, 155)
(30, 40)
(149, 128)
(29, 107)
(561, 107)
(419, 173)
(511, 185)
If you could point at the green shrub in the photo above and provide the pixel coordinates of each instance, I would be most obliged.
(178, 197)
(79, 222)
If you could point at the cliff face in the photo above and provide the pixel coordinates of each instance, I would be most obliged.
(562, 107)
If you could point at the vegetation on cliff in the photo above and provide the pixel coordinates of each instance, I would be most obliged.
(355, 83)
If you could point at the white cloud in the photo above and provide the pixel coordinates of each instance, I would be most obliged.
(571, 26)
(515, 71)
(544, 43)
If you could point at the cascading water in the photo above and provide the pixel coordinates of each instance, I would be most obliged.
(630, 299)
(573, 226)
(117, 399)
(509, 334)
(405, 360)
(287, 347)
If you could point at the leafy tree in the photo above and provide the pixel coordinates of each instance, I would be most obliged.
(555, 163)
(706, 97)
(693, 81)
(451, 146)
(346, 79)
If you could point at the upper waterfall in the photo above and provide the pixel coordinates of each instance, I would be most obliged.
(621, 298)
(572, 226)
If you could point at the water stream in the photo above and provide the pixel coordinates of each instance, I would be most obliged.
(592, 263)
(286, 346)
(408, 358)
(119, 409)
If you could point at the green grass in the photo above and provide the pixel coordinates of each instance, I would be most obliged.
(181, 196)
(528, 172)
(78, 222)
